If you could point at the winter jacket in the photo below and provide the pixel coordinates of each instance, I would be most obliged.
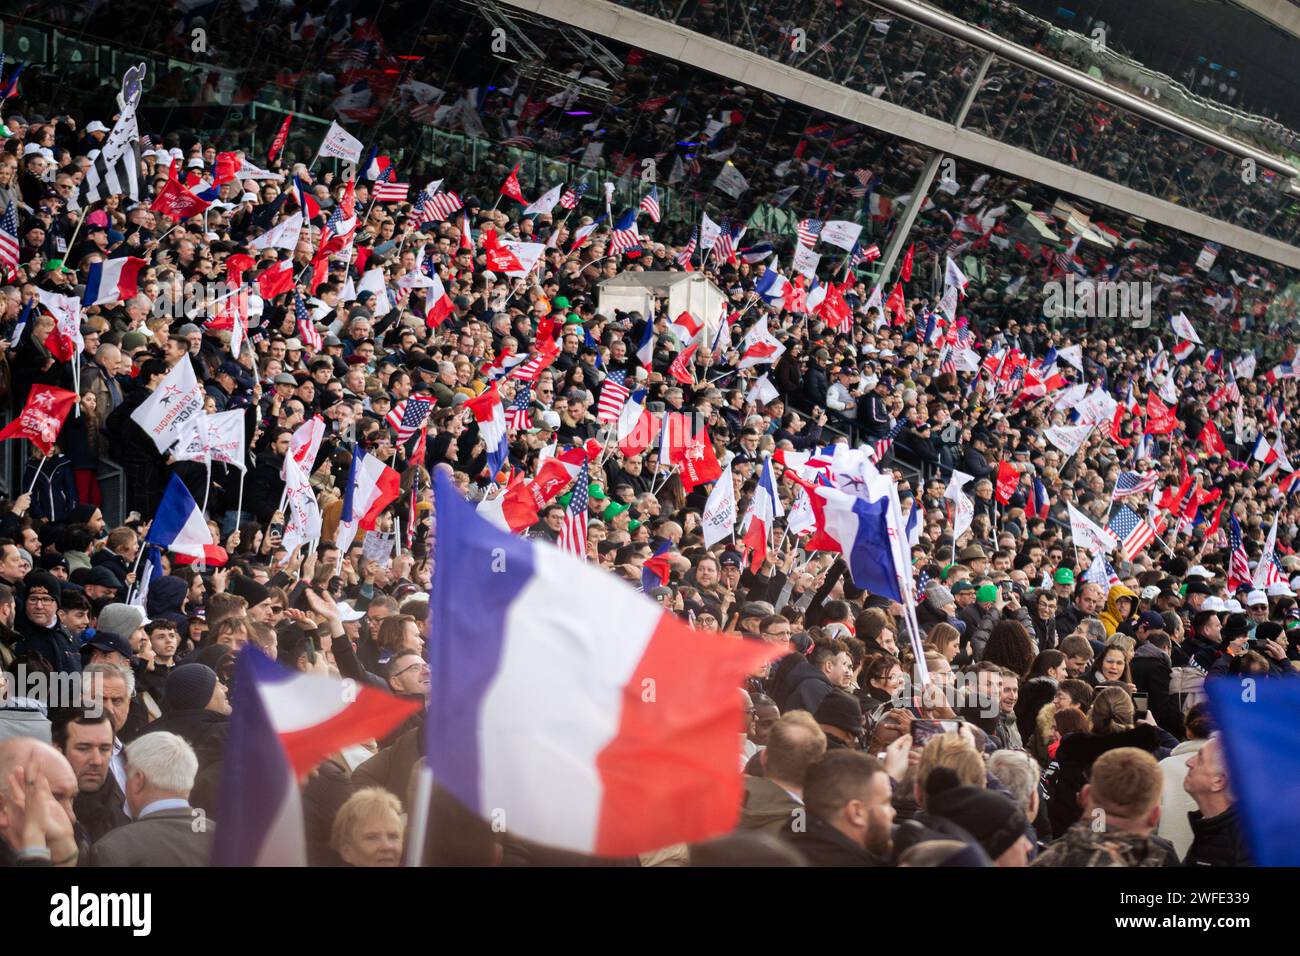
(808, 688)
(768, 806)
(1175, 802)
(1044, 632)
(1216, 841)
(822, 845)
(1151, 671)
(989, 618)
(1083, 846)
(1110, 618)
(1065, 776)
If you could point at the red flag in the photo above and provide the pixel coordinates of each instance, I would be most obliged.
(894, 305)
(499, 258)
(1214, 522)
(681, 367)
(905, 270)
(177, 202)
(511, 186)
(225, 168)
(42, 416)
(1161, 419)
(281, 138)
(275, 280)
(236, 266)
(1212, 440)
(834, 311)
(1007, 480)
(1115, 433)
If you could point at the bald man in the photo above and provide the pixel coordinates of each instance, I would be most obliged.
(37, 787)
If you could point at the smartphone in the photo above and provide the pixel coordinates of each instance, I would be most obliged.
(923, 730)
(276, 530)
(1007, 590)
(1140, 705)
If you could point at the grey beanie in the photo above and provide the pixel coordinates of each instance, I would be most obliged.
(124, 619)
(938, 595)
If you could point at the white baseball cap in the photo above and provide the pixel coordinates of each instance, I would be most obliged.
(348, 613)
(1256, 597)
(1149, 593)
(95, 126)
(1280, 589)
(1199, 571)
(1233, 606)
(1213, 603)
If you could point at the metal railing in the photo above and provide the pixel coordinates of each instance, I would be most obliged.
(15, 453)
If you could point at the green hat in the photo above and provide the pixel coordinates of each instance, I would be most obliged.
(134, 340)
(961, 587)
(1063, 576)
(560, 302)
(613, 510)
(595, 492)
(573, 318)
(987, 594)
(564, 498)
(633, 524)
(56, 265)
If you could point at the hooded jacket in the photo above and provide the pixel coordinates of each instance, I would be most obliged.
(1110, 618)
(1083, 846)
(808, 688)
(166, 600)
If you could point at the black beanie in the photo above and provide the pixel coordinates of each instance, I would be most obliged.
(43, 579)
(248, 589)
(189, 687)
(992, 818)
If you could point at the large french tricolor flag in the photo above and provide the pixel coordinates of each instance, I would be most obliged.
(285, 723)
(113, 280)
(612, 740)
(637, 428)
(491, 417)
(179, 525)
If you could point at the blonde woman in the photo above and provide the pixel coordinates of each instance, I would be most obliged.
(368, 829)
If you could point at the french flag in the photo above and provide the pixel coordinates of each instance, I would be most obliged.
(283, 726)
(868, 530)
(637, 428)
(763, 512)
(1038, 500)
(600, 740)
(686, 327)
(379, 168)
(645, 351)
(772, 286)
(1263, 451)
(309, 206)
(372, 487)
(491, 417)
(179, 526)
(113, 280)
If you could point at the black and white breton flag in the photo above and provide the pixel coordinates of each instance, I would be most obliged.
(104, 179)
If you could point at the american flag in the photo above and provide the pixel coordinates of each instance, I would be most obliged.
(520, 142)
(518, 412)
(9, 241)
(650, 204)
(863, 176)
(573, 532)
(1238, 561)
(1133, 532)
(870, 254)
(882, 445)
(311, 338)
(1135, 483)
(413, 512)
(808, 230)
(1101, 572)
(614, 394)
(536, 363)
(725, 248)
(392, 192)
(571, 196)
(436, 208)
(684, 256)
(408, 415)
(947, 361)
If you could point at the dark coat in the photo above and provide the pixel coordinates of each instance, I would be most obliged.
(1151, 670)
(822, 845)
(808, 688)
(1065, 776)
(1216, 841)
(100, 812)
(165, 838)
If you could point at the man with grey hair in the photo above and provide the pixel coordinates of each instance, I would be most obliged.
(100, 377)
(165, 830)
(1019, 773)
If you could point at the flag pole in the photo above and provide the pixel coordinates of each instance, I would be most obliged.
(239, 505)
(420, 818)
(207, 489)
(36, 477)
